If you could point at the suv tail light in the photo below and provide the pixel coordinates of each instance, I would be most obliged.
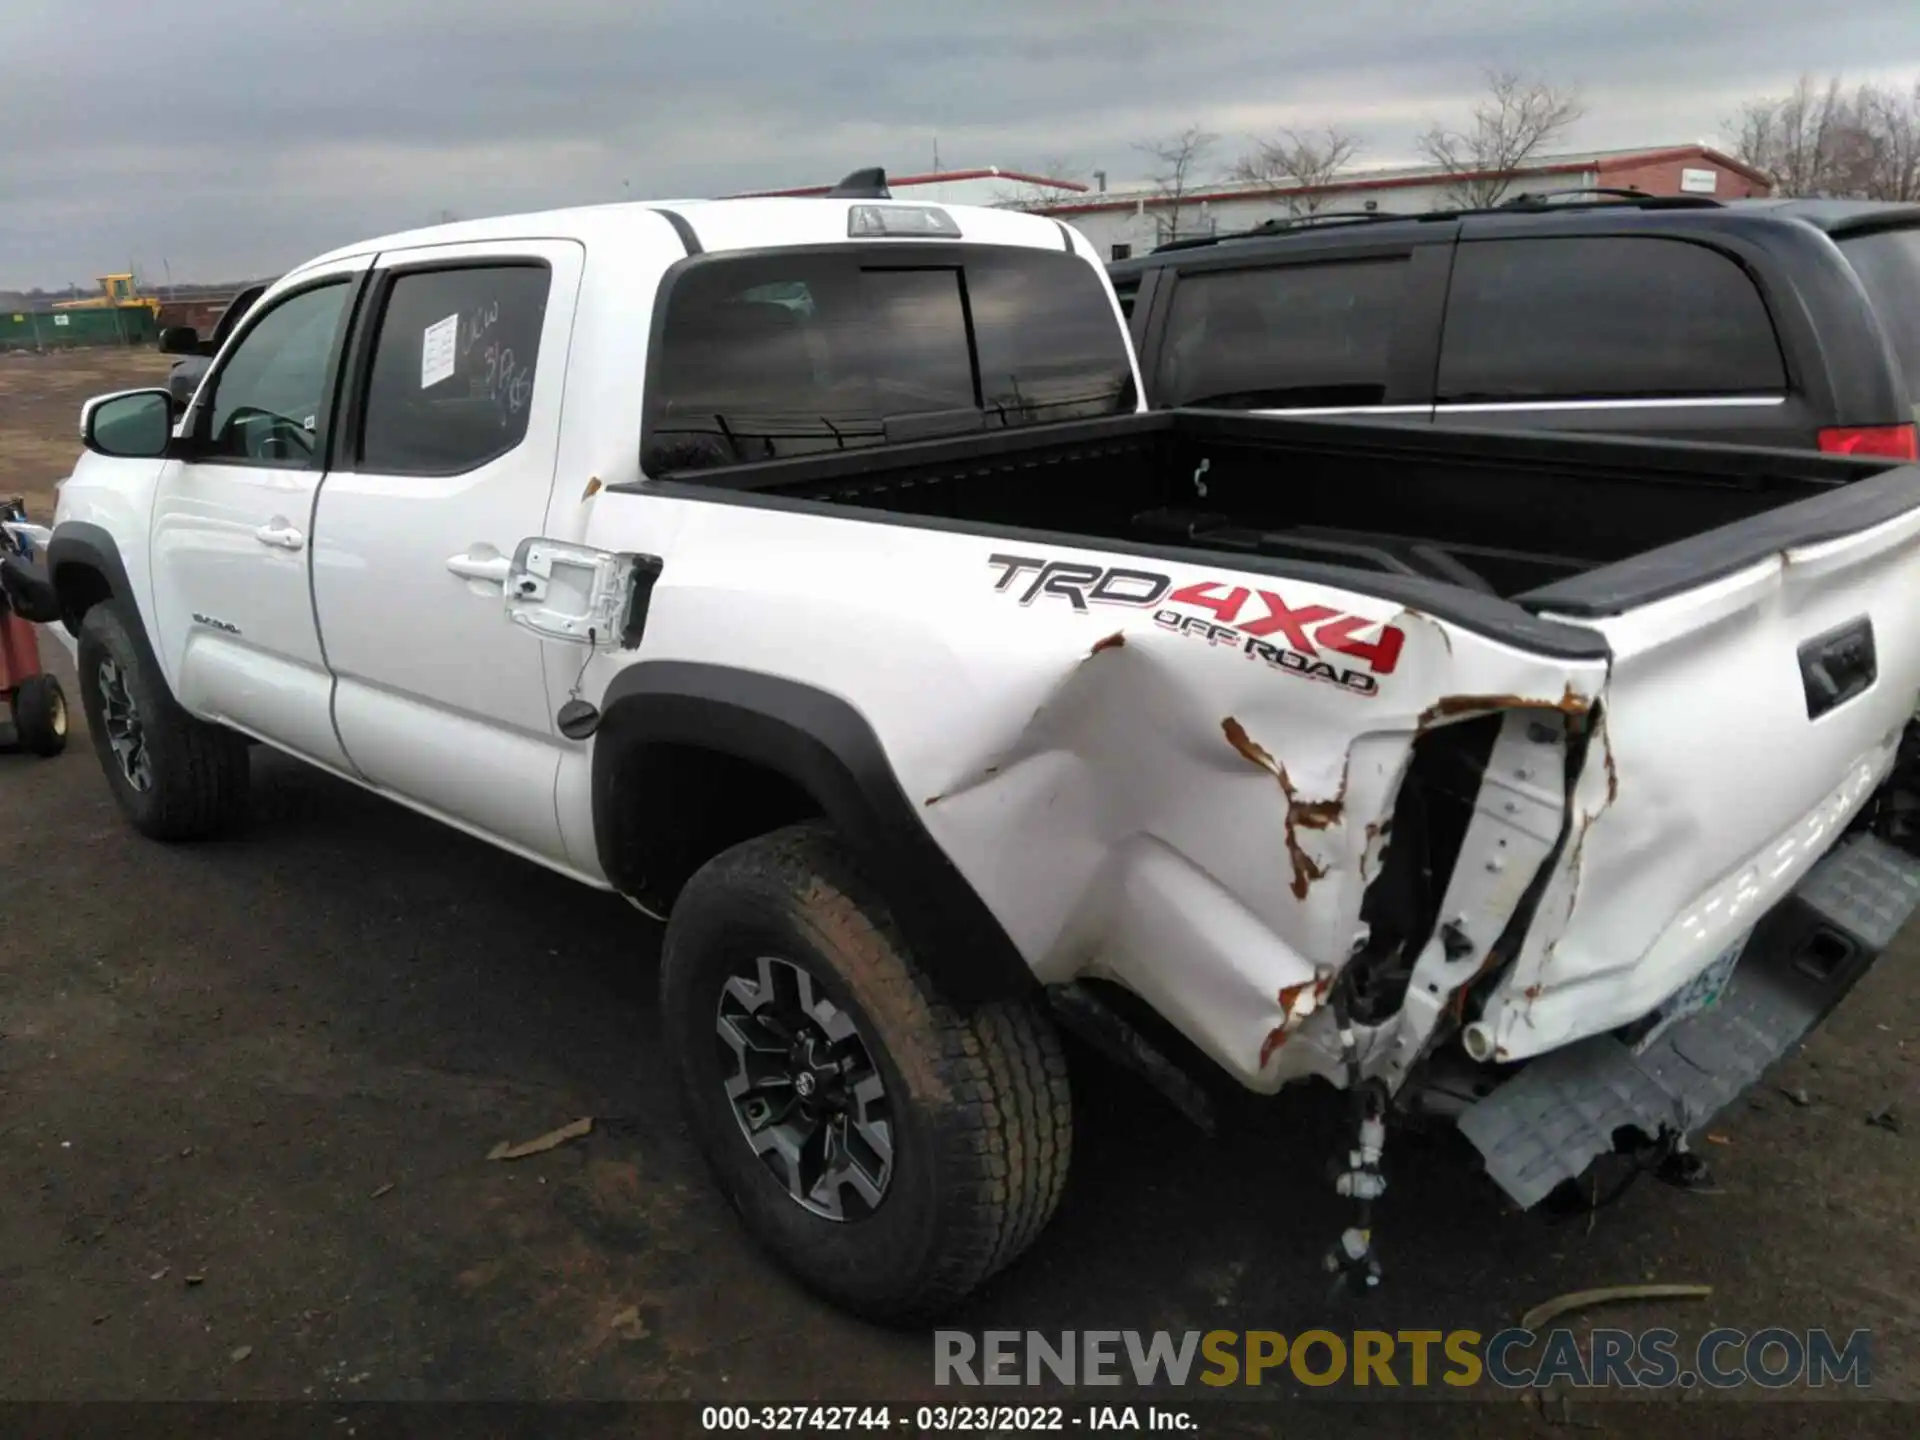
(1894, 442)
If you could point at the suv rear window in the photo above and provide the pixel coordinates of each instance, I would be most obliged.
(1603, 317)
(781, 354)
(1282, 337)
(1888, 264)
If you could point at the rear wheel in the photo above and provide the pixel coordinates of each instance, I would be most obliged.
(40, 715)
(892, 1150)
(174, 777)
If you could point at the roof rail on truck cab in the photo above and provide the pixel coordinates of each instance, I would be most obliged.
(744, 223)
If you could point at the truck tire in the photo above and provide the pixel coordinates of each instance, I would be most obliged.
(175, 777)
(930, 1144)
(40, 715)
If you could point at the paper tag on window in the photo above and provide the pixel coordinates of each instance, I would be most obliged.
(436, 350)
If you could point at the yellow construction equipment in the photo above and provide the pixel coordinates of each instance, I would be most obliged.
(117, 292)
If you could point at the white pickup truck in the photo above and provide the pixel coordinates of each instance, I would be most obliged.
(808, 572)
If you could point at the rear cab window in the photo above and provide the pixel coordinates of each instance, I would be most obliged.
(762, 356)
(1307, 335)
(1603, 318)
(1888, 264)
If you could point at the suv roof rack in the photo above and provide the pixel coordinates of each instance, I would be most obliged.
(868, 184)
(1597, 196)
(1280, 224)
(1542, 199)
(1287, 222)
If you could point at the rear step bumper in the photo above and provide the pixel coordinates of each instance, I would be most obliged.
(1559, 1113)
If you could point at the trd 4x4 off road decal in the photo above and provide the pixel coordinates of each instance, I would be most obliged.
(1234, 615)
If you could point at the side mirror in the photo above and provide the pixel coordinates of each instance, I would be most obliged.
(179, 340)
(132, 425)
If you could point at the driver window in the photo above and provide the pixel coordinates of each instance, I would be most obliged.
(268, 396)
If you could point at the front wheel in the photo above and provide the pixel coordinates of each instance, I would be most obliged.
(890, 1149)
(174, 777)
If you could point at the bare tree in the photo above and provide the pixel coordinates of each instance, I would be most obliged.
(1179, 161)
(1800, 139)
(1306, 164)
(1755, 138)
(1892, 122)
(1519, 118)
(1819, 140)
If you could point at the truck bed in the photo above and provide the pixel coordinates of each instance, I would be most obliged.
(1573, 526)
(1535, 683)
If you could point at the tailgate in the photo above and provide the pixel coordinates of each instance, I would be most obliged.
(1745, 720)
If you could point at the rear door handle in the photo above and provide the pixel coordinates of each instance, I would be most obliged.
(481, 567)
(280, 535)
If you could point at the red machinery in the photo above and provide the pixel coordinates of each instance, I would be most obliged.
(38, 705)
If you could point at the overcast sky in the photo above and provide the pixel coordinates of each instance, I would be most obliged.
(222, 138)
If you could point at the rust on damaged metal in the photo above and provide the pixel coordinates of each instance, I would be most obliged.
(1112, 642)
(1289, 997)
(1450, 706)
(1250, 748)
(1379, 832)
(1316, 814)
(1310, 814)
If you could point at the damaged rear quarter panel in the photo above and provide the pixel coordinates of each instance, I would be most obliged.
(1133, 799)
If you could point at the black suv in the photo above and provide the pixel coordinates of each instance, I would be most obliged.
(1763, 322)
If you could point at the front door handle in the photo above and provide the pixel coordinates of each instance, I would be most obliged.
(481, 567)
(280, 535)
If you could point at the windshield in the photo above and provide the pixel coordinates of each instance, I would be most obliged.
(764, 356)
(1888, 264)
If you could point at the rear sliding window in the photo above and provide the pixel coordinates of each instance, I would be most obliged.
(773, 355)
(1888, 264)
(1282, 337)
(1615, 317)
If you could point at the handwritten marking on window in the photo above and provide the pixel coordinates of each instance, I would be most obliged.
(479, 321)
(506, 382)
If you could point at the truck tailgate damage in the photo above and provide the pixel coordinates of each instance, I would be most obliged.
(1710, 1043)
(1730, 875)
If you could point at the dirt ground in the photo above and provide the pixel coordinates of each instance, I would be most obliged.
(248, 1089)
(40, 399)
